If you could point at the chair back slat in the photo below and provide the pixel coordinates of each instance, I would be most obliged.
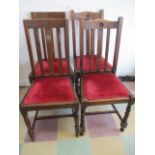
(37, 42)
(99, 48)
(51, 66)
(86, 15)
(59, 50)
(96, 61)
(107, 49)
(92, 50)
(44, 43)
(50, 48)
(67, 46)
(81, 49)
(88, 41)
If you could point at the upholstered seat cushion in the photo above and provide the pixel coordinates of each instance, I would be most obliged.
(50, 90)
(103, 86)
(56, 66)
(87, 60)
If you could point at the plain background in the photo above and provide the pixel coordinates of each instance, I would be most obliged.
(145, 75)
(112, 8)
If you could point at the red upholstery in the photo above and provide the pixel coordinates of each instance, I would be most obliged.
(86, 63)
(56, 67)
(103, 86)
(48, 90)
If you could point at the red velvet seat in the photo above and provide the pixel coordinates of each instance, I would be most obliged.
(56, 67)
(50, 90)
(86, 63)
(103, 86)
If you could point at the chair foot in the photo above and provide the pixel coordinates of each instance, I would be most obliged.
(82, 130)
(31, 135)
(77, 129)
(123, 126)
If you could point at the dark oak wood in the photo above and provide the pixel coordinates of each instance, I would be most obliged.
(59, 50)
(67, 46)
(48, 15)
(128, 109)
(117, 45)
(88, 39)
(50, 49)
(43, 42)
(37, 41)
(81, 50)
(101, 25)
(44, 23)
(36, 15)
(99, 48)
(92, 49)
(44, 15)
(30, 51)
(107, 49)
(86, 15)
(48, 25)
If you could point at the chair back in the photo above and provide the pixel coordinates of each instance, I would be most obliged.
(40, 35)
(86, 15)
(100, 26)
(39, 15)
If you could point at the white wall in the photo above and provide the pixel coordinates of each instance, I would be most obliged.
(112, 8)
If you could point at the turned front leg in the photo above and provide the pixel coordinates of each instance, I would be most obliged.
(82, 125)
(76, 118)
(128, 109)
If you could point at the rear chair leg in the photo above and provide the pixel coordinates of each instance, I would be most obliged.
(76, 84)
(82, 125)
(124, 120)
(28, 124)
(76, 118)
(30, 79)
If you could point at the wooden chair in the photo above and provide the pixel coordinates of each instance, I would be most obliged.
(86, 15)
(99, 85)
(45, 15)
(53, 88)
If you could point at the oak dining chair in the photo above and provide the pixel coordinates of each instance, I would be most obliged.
(99, 85)
(51, 88)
